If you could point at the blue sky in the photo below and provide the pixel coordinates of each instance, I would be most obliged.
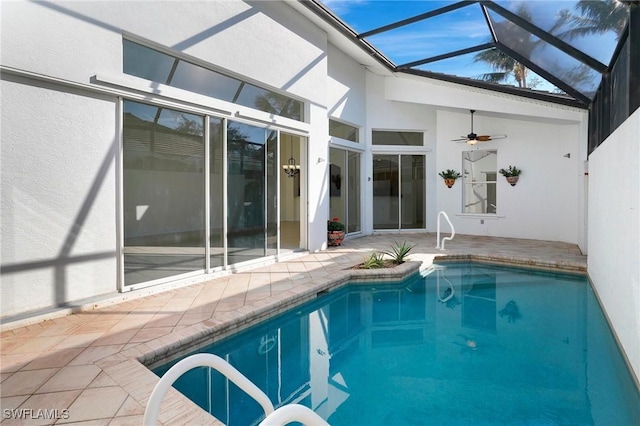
(463, 28)
(455, 30)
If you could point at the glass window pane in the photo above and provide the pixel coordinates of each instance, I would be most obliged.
(593, 27)
(206, 82)
(146, 63)
(272, 166)
(163, 186)
(412, 195)
(385, 192)
(557, 63)
(337, 187)
(344, 188)
(343, 131)
(292, 191)
(479, 172)
(156, 66)
(381, 12)
(216, 195)
(380, 137)
(490, 65)
(271, 102)
(246, 200)
(353, 224)
(459, 29)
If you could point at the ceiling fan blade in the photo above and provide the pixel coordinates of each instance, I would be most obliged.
(487, 138)
(498, 136)
(473, 139)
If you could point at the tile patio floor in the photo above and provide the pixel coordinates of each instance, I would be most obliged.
(87, 365)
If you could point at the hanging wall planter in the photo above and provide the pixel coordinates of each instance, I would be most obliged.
(511, 174)
(449, 177)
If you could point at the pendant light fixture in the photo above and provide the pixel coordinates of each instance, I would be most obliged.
(291, 168)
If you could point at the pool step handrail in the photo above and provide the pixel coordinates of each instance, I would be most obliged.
(202, 360)
(453, 231)
(296, 412)
(293, 413)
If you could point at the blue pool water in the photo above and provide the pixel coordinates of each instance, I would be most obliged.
(468, 344)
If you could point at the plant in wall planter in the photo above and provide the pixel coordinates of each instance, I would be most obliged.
(512, 174)
(335, 232)
(449, 177)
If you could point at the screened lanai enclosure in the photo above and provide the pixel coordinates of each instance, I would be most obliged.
(228, 133)
(225, 200)
(581, 53)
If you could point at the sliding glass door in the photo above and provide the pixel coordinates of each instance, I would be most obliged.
(292, 194)
(344, 188)
(216, 191)
(251, 161)
(412, 192)
(398, 191)
(176, 205)
(163, 192)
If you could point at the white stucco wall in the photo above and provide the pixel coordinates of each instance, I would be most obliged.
(388, 114)
(545, 203)
(346, 88)
(75, 40)
(59, 184)
(614, 232)
(346, 103)
(58, 197)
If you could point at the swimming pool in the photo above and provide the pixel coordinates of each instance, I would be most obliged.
(466, 344)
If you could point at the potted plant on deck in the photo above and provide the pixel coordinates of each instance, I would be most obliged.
(449, 177)
(512, 173)
(335, 232)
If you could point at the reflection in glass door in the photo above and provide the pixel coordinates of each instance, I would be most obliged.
(170, 159)
(398, 191)
(216, 191)
(344, 188)
(163, 176)
(249, 176)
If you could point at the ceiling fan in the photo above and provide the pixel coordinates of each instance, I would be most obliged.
(473, 139)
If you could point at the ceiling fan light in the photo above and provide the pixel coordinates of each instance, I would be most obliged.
(472, 141)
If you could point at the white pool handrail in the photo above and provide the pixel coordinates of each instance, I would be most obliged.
(280, 417)
(453, 231)
(293, 413)
(202, 360)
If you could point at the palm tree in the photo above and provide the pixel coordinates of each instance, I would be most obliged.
(504, 67)
(590, 17)
(275, 103)
(596, 17)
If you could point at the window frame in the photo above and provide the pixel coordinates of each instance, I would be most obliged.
(466, 184)
(382, 147)
(357, 129)
(182, 58)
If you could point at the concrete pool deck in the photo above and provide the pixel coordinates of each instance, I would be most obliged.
(87, 367)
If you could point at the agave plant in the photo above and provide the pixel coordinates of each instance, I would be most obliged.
(399, 252)
(374, 261)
